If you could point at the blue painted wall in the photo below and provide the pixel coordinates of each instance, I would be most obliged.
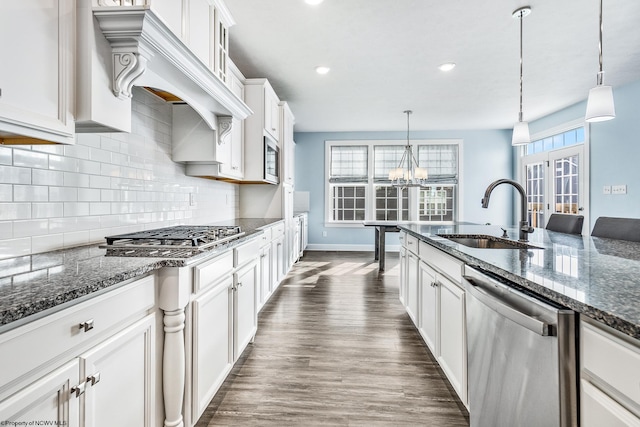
(614, 155)
(486, 156)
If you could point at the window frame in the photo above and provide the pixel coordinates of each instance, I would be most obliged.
(370, 212)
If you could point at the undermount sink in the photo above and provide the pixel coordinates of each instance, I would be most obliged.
(484, 241)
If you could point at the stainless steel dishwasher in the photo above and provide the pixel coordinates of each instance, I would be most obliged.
(521, 356)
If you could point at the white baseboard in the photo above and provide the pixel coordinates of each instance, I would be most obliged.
(348, 248)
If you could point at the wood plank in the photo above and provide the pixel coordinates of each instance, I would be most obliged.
(339, 352)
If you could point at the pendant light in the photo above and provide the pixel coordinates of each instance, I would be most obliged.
(600, 105)
(408, 174)
(521, 134)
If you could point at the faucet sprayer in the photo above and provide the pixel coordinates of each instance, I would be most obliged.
(524, 227)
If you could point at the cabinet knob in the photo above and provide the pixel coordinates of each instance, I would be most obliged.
(239, 284)
(79, 389)
(94, 379)
(86, 326)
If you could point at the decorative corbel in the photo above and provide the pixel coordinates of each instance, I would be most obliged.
(127, 67)
(224, 129)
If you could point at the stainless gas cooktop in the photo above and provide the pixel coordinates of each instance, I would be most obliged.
(181, 241)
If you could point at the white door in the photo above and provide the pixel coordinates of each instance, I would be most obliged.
(429, 307)
(47, 399)
(212, 343)
(245, 307)
(556, 182)
(453, 349)
(119, 376)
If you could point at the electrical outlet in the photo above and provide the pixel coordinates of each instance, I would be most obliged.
(192, 199)
(324, 234)
(606, 189)
(619, 189)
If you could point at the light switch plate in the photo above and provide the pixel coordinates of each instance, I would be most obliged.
(619, 189)
(606, 189)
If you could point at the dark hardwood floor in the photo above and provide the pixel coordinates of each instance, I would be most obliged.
(335, 347)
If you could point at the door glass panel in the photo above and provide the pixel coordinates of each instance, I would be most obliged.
(535, 194)
(566, 188)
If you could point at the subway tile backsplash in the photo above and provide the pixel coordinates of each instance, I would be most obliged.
(55, 196)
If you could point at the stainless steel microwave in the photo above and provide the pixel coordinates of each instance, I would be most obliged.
(271, 161)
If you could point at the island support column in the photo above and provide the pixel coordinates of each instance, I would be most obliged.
(173, 299)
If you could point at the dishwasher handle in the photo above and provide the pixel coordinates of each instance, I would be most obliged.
(477, 281)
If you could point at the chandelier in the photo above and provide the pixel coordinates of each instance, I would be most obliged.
(408, 174)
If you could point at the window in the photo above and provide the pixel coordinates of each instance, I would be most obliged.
(358, 186)
(554, 170)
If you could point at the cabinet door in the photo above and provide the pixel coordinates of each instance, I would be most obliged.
(429, 316)
(47, 399)
(212, 343)
(453, 350)
(245, 307)
(412, 287)
(37, 87)
(265, 275)
(403, 276)
(280, 261)
(120, 377)
(597, 409)
(271, 113)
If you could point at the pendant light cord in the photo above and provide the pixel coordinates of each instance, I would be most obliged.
(600, 78)
(520, 114)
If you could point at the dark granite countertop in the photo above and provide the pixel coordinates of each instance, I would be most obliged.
(597, 277)
(39, 284)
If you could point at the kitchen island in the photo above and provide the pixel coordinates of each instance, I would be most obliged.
(597, 277)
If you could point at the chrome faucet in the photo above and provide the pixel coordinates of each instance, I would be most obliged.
(524, 227)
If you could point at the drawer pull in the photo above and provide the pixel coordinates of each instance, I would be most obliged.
(86, 326)
(94, 379)
(79, 389)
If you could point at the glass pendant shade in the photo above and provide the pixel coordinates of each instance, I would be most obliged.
(521, 134)
(600, 106)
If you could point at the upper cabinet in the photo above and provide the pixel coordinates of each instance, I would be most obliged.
(287, 144)
(262, 132)
(234, 169)
(36, 79)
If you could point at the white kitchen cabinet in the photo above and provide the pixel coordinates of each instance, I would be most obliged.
(245, 308)
(452, 335)
(37, 80)
(119, 378)
(304, 233)
(222, 23)
(429, 307)
(435, 302)
(609, 376)
(265, 282)
(46, 399)
(234, 168)
(263, 125)
(91, 364)
(288, 144)
(412, 287)
(212, 343)
(279, 261)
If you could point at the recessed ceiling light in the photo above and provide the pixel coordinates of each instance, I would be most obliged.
(447, 66)
(313, 2)
(322, 70)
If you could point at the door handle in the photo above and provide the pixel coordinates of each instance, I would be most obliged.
(94, 379)
(79, 389)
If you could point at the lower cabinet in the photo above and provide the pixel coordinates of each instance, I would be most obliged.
(118, 376)
(265, 282)
(109, 376)
(245, 308)
(429, 310)
(435, 301)
(609, 376)
(212, 342)
(224, 321)
(411, 297)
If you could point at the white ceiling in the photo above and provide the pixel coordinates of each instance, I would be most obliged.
(384, 56)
